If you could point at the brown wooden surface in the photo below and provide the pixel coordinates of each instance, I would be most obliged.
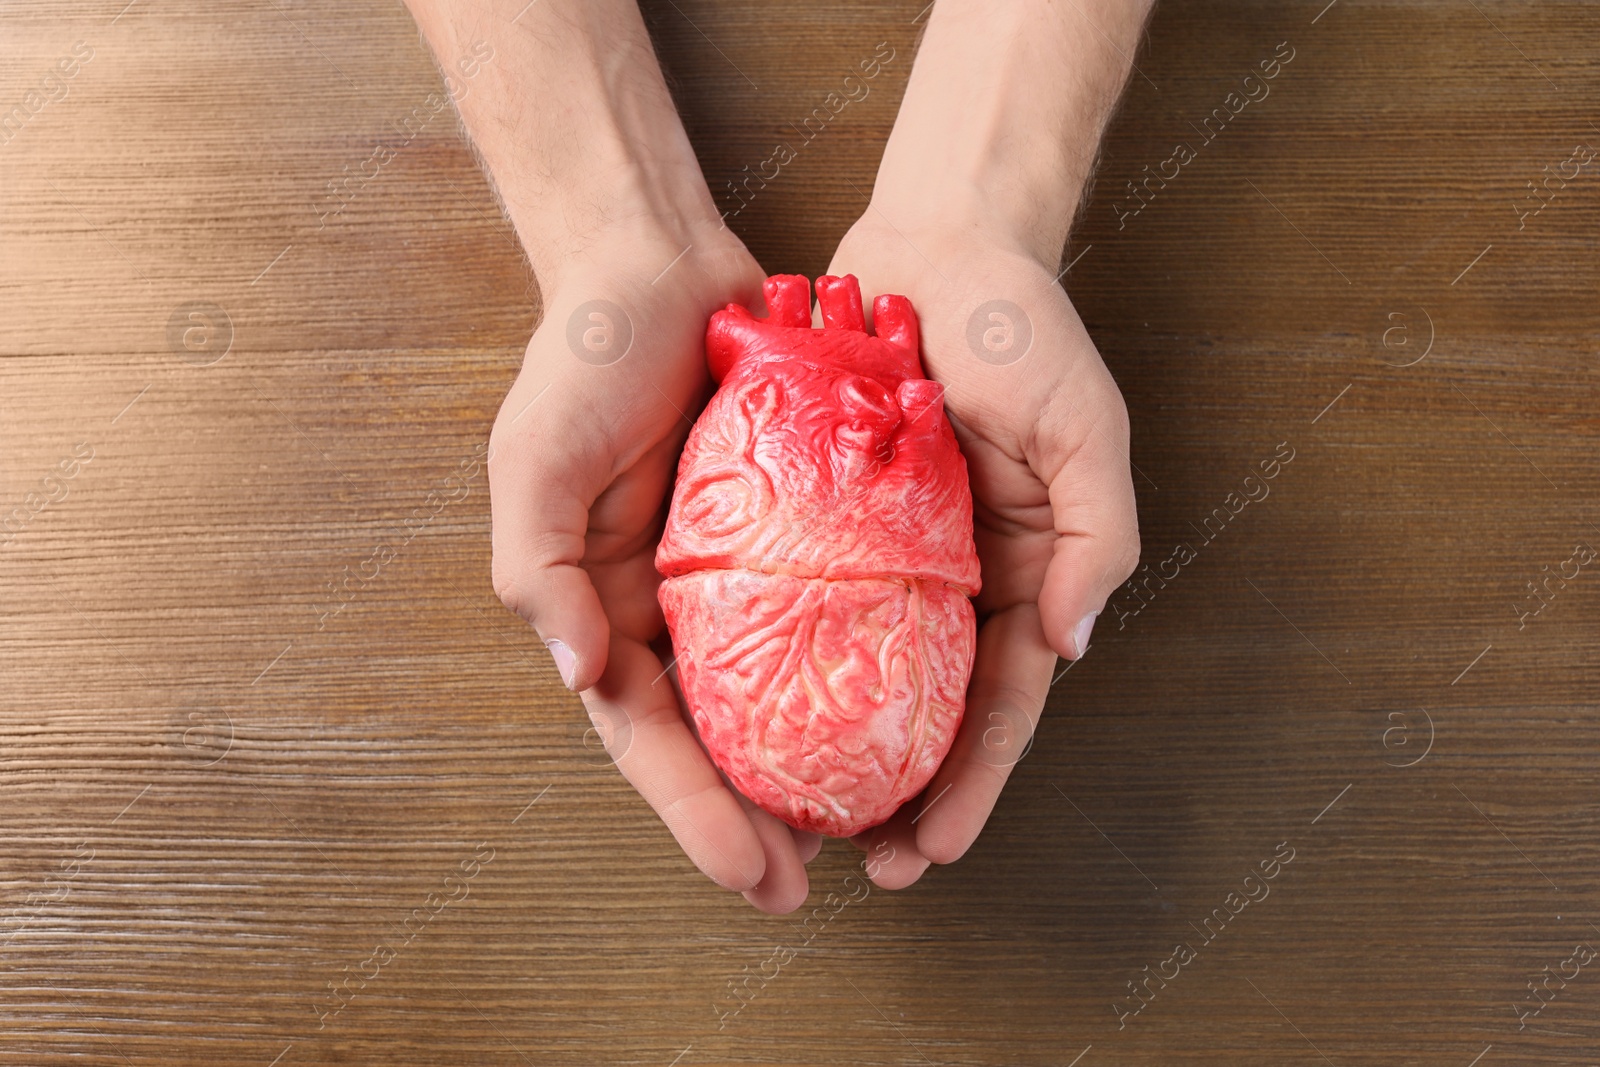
(214, 801)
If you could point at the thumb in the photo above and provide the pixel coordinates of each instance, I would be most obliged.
(1097, 527)
(544, 473)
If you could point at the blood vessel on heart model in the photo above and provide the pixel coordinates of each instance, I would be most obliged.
(819, 559)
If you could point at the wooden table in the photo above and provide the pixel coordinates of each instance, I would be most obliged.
(264, 727)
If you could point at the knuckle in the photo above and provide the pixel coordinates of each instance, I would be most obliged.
(1117, 423)
(523, 570)
(1126, 560)
(512, 593)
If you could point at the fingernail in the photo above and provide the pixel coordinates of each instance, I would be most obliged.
(566, 662)
(1081, 632)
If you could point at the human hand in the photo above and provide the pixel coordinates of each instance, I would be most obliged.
(582, 459)
(1045, 434)
(578, 133)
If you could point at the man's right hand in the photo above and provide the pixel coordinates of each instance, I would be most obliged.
(570, 114)
(581, 466)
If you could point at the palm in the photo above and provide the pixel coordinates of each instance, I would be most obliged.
(1043, 429)
(581, 464)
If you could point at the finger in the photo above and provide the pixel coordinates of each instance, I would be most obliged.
(627, 588)
(807, 843)
(1010, 680)
(784, 886)
(1092, 503)
(544, 473)
(654, 749)
(892, 860)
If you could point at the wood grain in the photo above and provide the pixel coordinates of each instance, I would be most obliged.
(226, 786)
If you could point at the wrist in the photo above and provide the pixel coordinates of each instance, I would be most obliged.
(1001, 122)
(572, 120)
(665, 280)
(966, 211)
(631, 238)
(636, 190)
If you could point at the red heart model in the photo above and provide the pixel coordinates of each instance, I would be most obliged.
(818, 559)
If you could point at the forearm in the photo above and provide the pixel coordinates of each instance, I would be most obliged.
(574, 123)
(1003, 115)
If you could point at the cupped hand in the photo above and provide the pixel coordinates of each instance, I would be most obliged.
(1045, 434)
(581, 465)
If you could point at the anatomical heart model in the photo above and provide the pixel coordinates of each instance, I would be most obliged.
(819, 560)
